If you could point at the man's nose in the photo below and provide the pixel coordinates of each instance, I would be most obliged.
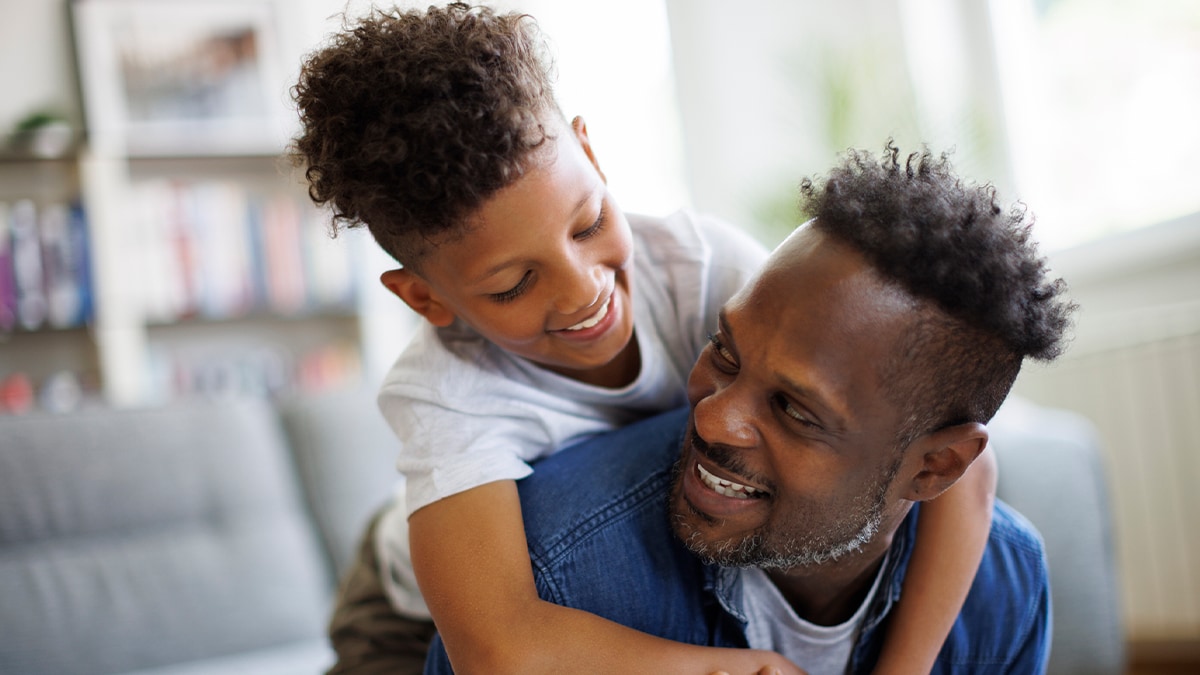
(727, 417)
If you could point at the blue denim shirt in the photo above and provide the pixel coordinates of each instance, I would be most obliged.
(600, 540)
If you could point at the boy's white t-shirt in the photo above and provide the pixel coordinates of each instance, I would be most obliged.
(468, 413)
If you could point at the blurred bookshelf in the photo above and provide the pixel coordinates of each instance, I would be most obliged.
(167, 249)
(136, 281)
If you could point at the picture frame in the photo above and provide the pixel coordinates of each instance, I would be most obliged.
(181, 77)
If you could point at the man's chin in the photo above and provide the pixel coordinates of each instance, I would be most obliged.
(696, 530)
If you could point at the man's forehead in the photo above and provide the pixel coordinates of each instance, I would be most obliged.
(827, 319)
(810, 258)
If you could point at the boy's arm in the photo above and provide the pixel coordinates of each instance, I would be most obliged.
(472, 563)
(951, 536)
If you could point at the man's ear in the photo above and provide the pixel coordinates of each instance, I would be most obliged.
(580, 128)
(942, 457)
(416, 293)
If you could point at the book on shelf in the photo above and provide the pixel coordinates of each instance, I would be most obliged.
(45, 266)
(217, 250)
(28, 276)
(66, 264)
(8, 287)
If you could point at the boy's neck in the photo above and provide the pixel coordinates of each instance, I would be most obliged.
(617, 373)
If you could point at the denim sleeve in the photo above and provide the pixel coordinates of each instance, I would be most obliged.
(1027, 561)
(1034, 652)
(1004, 626)
(599, 536)
(600, 539)
(436, 662)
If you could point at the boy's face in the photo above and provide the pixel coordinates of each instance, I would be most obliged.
(544, 271)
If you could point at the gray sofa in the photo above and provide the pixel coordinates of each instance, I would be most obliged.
(207, 537)
(198, 538)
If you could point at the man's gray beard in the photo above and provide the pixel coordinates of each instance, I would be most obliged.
(755, 551)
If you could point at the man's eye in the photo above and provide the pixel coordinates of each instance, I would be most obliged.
(795, 413)
(514, 292)
(721, 350)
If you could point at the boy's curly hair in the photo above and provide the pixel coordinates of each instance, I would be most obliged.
(411, 119)
(985, 298)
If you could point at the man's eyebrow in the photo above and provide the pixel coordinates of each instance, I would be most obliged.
(726, 332)
(832, 419)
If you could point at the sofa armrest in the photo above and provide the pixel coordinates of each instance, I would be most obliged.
(346, 456)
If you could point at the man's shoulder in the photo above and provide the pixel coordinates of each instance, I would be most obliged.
(1004, 625)
(1012, 530)
(583, 486)
(600, 540)
(1013, 570)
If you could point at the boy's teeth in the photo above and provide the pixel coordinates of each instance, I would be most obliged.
(725, 487)
(595, 318)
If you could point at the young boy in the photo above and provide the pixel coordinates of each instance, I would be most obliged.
(549, 317)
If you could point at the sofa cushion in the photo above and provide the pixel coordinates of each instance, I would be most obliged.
(133, 539)
(302, 658)
(1050, 471)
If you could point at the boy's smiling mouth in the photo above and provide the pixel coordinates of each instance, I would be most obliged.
(593, 319)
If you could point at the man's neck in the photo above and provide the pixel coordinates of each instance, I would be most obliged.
(828, 595)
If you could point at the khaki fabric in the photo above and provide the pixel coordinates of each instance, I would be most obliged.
(367, 634)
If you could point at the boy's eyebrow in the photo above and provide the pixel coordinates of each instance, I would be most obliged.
(579, 206)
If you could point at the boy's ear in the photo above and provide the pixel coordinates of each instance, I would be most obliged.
(416, 293)
(942, 457)
(580, 128)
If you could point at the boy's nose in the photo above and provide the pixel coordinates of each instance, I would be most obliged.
(582, 291)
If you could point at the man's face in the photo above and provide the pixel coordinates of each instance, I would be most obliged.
(791, 458)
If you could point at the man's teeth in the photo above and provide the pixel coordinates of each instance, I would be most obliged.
(725, 487)
(595, 318)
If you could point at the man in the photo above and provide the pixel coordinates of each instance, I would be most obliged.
(849, 381)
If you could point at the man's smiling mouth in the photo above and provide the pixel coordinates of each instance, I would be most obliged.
(727, 488)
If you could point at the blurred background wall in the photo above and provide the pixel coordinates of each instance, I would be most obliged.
(1084, 109)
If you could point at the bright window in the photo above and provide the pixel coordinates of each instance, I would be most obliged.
(1102, 99)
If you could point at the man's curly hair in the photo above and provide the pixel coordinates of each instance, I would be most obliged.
(411, 119)
(984, 298)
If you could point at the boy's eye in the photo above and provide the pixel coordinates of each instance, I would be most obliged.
(721, 352)
(594, 228)
(512, 293)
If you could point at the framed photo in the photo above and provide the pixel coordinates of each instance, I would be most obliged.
(181, 77)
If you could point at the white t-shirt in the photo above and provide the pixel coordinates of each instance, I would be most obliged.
(774, 626)
(468, 413)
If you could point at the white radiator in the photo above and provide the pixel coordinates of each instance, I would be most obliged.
(1145, 400)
